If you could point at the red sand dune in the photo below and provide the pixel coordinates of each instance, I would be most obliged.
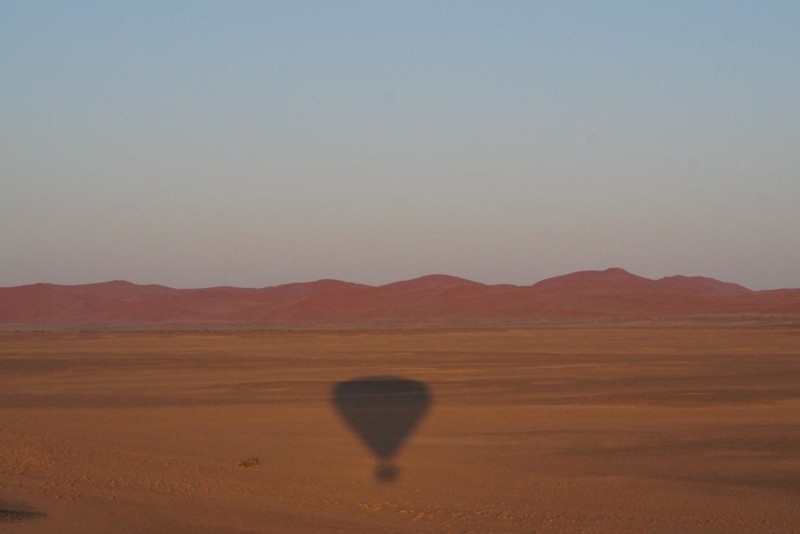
(700, 284)
(430, 300)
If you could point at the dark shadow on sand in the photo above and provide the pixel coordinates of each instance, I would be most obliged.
(383, 411)
(16, 515)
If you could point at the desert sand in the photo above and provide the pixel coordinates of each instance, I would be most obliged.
(649, 429)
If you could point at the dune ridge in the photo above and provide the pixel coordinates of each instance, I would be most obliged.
(439, 299)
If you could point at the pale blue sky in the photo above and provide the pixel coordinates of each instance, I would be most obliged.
(257, 143)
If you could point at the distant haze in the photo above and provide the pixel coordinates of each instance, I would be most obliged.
(197, 144)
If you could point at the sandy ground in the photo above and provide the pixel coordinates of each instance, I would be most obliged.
(541, 430)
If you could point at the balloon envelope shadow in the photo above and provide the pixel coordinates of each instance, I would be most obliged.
(383, 411)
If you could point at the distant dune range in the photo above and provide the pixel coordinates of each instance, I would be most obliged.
(434, 300)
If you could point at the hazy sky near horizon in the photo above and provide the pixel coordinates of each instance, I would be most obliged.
(256, 143)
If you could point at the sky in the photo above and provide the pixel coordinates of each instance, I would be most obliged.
(195, 144)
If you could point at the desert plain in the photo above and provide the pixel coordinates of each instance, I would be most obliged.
(646, 428)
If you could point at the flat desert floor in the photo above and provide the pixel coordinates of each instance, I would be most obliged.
(529, 430)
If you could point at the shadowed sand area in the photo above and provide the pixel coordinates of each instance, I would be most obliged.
(533, 430)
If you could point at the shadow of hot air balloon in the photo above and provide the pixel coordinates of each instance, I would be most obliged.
(383, 411)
